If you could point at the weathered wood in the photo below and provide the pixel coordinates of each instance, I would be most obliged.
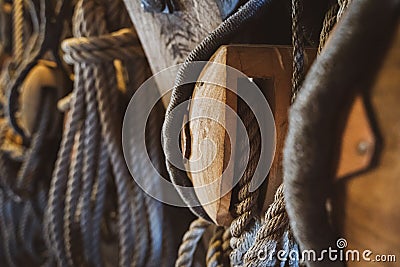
(210, 144)
(168, 38)
(366, 207)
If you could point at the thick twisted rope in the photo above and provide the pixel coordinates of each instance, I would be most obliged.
(214, 251)
(189, 243)
(273, 236)
(243, 227)
(219, 248)
(226, 247)
(122, 45)
(85, 11)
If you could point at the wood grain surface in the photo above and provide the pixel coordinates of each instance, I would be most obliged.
(167, 39)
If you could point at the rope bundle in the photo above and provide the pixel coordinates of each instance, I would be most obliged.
(25, 165)
(82, 227)
(90, 165)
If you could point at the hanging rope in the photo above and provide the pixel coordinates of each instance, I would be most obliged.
(328, 24)
(18, 29)
(219, 248)
(343, 4)
(25, 167)
(190, 241)
(298, 47)
(246, 222)
(273, 236)
(90, 157)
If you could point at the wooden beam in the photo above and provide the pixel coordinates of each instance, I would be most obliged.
(167, 39)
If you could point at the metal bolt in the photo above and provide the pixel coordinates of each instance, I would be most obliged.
(363, 147)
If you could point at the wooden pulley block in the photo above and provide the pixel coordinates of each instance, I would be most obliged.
(45, 75)
(270, 67)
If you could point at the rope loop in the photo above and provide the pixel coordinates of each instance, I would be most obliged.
(122, 45)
